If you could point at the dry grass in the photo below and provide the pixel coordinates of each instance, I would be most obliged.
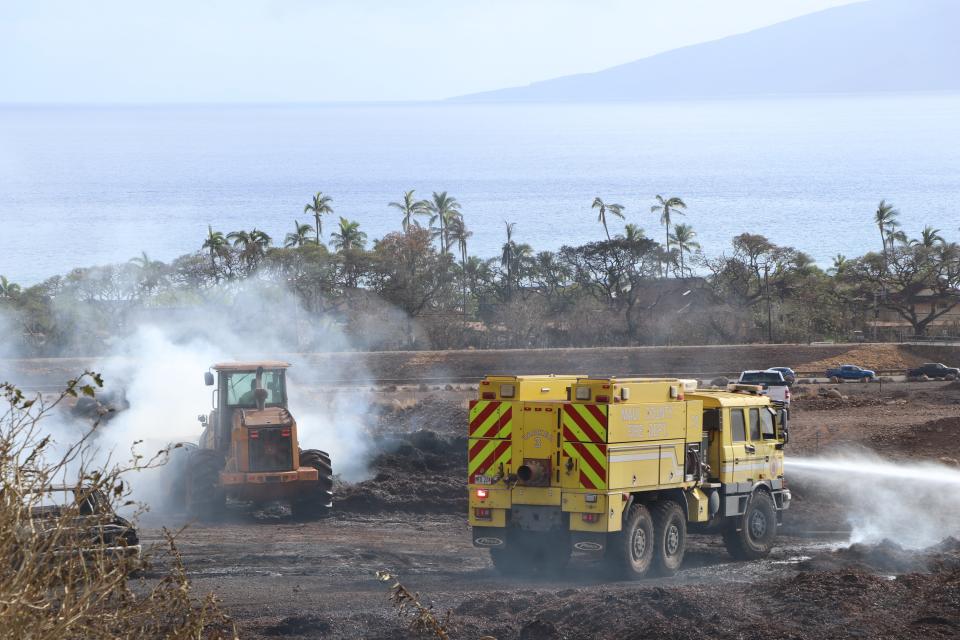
(421, 618)
(57, 579)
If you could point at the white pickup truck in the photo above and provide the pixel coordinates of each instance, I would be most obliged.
(772, 382)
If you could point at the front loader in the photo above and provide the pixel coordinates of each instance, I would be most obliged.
(249, 449)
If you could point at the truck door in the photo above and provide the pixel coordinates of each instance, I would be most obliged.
(536, 451)
(761, 458)
(735, 463)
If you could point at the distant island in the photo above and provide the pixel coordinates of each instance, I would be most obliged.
(870, 47)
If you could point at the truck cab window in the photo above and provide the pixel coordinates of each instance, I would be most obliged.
(766, 425)
(738, 428)
(711, 420)
(755, 424)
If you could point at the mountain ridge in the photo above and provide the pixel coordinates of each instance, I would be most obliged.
(878, 46)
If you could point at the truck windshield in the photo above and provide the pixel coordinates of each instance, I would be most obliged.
(240, 386)
(762, 377)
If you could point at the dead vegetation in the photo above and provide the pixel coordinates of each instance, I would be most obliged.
(421, 618)
(66, 566)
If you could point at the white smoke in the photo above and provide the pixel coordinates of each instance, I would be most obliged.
(914, 504)
(158, 368)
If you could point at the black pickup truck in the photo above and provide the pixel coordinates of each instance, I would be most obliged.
(934, 370)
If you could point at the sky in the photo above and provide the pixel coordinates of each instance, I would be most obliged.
(237, 51)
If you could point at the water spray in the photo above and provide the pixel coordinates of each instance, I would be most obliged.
(914, 504)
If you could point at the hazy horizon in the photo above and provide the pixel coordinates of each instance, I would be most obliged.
(261, 52)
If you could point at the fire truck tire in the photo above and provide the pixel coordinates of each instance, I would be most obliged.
(318, 499)
(630, 550)
(758, 529)
(204, 494)
(669, 536)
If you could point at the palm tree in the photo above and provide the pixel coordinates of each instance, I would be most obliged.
(885, 217)
(665, 207)
(240, 240)
(319, 207)
(8, 289)
(929, 237)
(349, 237)
(150, 270)
(632, 232)
(252, 245)
(411, 207)
(442, 208)
(614, 209)
(507, 253)
(460, 234)
(683, 238)
(840, 264)
(216, 243)
(299, 236)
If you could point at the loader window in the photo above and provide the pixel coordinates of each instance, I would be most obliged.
(240, 388)
(755, 424)
(739, 430)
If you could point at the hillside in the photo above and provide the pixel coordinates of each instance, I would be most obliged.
(869, 47)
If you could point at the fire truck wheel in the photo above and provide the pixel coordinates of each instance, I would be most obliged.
(205, 497)
(670, 537)
(318, 499)
(630, 551)
(758, 528)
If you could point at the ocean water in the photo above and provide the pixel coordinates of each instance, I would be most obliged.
(81, 186)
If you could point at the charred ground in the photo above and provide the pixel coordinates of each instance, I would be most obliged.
(316, 579)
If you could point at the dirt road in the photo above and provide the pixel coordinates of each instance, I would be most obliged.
(280, 578)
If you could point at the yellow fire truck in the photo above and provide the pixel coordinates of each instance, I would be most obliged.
(622, 468)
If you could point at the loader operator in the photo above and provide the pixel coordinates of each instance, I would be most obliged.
(249, 398)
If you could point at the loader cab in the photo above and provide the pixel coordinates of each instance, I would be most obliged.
(236, 384)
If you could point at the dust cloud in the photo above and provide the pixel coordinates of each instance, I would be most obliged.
(914, 504)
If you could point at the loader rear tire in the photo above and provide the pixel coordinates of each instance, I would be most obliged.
(205, 497)
(318, 499)
(669, 537)
(757, 529)
(630, 551)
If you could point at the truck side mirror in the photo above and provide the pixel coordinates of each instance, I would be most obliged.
(208, 378)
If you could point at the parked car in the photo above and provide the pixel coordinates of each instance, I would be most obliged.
(772, 382)
(850, 372)
(934, 370)
(81, 520)
(788, 374)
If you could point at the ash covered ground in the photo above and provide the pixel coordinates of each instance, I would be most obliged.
(288, 579)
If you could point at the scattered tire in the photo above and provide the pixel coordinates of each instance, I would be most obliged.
(669, 536)
(317, 499)
(751, 536)
(205, 498)
(630, 551)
